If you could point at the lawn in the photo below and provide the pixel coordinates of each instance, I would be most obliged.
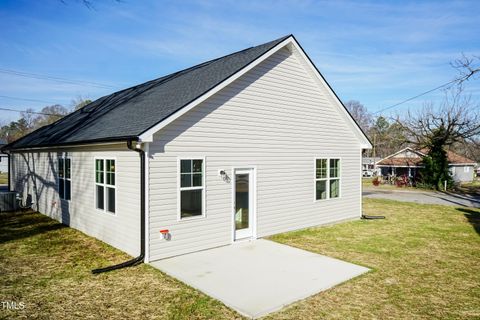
(424, 261)
(3, 178)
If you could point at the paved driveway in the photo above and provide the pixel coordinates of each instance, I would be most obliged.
(425, 197)
(258, 277)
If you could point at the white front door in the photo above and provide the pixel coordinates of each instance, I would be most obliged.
(243, 203)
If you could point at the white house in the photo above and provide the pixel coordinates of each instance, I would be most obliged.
(245, 146)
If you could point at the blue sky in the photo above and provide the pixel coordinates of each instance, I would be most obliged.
(377, 52)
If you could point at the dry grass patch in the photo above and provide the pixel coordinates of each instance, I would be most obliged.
(47, 266)
(3, 178)
(424, 261)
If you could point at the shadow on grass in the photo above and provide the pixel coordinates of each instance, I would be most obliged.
(473, 217)
(20, 225)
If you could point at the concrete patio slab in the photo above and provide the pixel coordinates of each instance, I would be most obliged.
(258, 277)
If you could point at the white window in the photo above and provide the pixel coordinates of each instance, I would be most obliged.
(466, 169)
(191, 192)
(327, 178)
(64, 178)
(105, 189)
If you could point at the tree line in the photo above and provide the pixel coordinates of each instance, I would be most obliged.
(31, 120)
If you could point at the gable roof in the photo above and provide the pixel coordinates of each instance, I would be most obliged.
(137, 112)
(391, 160)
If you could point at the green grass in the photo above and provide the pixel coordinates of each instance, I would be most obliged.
(424, 261)
(3, 178)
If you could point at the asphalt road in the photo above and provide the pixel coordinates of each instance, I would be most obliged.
(424, 197)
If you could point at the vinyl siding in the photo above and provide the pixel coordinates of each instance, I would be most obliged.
(35, 174)
(459, 174)
(276, 118)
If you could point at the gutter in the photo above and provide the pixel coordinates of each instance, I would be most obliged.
(141, 257)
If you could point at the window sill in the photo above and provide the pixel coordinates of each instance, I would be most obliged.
(328, 199)
(106, 212)
(179, 219)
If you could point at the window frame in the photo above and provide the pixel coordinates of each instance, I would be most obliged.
(104, 185)
(64, 156)
(327, 179)
(180, 189)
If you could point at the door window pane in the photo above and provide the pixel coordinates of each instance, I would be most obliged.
(191, 203)
(242, 183)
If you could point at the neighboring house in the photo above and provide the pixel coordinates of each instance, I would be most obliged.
(368, 164)
(245, 146)
(462, 169)
(409, 161)
(3, 158)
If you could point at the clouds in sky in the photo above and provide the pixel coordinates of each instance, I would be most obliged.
(376, 52)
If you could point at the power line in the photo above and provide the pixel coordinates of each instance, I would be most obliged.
(56, 79)
(415, 97)
(26, 99)
(34, 112)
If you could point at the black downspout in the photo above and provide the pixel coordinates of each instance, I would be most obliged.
(9, 169)
(141, 257)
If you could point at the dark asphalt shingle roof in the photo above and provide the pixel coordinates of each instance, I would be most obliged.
(128, 113)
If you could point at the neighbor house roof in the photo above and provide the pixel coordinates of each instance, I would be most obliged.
(454, 158)
(135, 112)
(395, 161)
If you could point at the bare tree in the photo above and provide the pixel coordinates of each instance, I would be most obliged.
(360, 114)
(79, 102)
(468, 68)
(456, 120)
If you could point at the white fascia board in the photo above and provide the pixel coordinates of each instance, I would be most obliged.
(147, 136)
